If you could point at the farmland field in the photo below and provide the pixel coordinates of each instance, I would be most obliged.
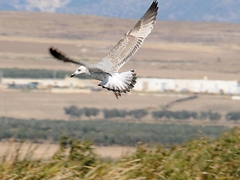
(173, 50)
(47, 150)
(45, 105)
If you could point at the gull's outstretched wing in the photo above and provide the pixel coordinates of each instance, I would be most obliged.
(131, 42)
(58, 55)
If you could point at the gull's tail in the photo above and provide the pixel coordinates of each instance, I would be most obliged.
(120, 83)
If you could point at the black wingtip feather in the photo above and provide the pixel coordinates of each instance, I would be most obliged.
(60, 56)
(153, 7)
(55, 53)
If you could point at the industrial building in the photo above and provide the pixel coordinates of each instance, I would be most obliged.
(187, 85)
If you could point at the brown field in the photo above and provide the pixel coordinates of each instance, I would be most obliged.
(46, 150)
(173, 49)
(45, 105)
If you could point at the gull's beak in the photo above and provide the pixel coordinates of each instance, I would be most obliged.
(73, 75)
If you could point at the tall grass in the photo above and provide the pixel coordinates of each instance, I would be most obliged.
(196, 159)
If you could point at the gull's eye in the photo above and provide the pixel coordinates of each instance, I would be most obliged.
(79, 70)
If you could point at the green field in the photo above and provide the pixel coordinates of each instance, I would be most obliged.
(104, 132)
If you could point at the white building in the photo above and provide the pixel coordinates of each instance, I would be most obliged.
(143, 84)
(67, 82)
(180, 85)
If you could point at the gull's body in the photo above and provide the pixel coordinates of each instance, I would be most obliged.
(107, 69)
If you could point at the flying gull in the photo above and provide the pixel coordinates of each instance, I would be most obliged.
(107, 69)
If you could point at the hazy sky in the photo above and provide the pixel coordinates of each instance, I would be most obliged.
(188, 10)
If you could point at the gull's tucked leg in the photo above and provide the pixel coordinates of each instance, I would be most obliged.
(120, 83)
(117, 94)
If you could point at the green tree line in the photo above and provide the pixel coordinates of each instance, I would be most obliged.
(74, 111)
(233, 116)
(104, 132)
(37, 73)
(185, 115)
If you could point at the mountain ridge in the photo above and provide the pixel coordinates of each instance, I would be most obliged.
(185, 10)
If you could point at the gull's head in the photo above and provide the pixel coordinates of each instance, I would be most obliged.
(80, 70)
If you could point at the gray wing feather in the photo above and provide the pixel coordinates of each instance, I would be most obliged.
(131, 42)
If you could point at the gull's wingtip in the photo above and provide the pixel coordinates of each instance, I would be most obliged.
(154, 5)
(52, 49)
(155, 2)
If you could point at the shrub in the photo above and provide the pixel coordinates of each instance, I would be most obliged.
(161, 114)
(233, 116)
(89, 112)
(73, 111)
(138, 113)
(112, 113)
(214, 116)
(203, 115)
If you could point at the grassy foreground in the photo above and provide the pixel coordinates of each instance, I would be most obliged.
(196, 159)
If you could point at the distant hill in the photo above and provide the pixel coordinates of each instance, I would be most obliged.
(184, 10)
